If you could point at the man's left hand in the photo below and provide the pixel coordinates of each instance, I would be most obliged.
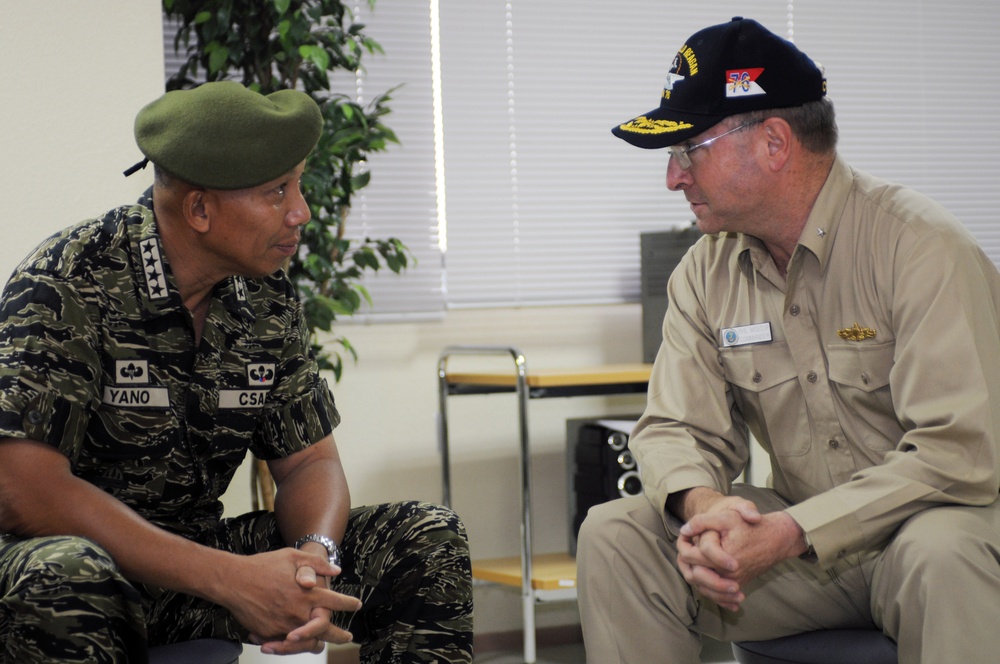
(314, 634)
(720, 552)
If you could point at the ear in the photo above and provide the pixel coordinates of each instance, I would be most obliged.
(780, 140)
(196, 209)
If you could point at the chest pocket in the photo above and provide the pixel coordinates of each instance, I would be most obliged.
(860, 378)
(764, 385)
(248, 378)
(865, 368)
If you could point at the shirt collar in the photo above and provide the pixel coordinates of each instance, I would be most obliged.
(157, 289)
(820, 229)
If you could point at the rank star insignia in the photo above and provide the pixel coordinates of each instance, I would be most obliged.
(156, 283)
(856, 333)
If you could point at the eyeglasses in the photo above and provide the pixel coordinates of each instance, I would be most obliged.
(682, 154)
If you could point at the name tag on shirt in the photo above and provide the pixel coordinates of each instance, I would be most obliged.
(745, 335)
(137, 397)
(240, 399)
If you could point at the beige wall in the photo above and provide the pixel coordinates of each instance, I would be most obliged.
(73, 76)
(388, 436)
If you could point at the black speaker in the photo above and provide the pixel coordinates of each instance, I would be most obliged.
(659, 252)
(600, 467)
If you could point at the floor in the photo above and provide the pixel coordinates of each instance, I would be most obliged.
(714, 652)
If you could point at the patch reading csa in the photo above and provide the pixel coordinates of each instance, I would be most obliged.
(259, 374)
(241, 399)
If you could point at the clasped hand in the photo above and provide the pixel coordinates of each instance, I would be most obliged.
(730, 544)
(286, 603)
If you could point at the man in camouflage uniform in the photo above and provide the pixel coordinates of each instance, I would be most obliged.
(141, 355)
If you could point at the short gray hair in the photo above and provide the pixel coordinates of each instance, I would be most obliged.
(814, 123)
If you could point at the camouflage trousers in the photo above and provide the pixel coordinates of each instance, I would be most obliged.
(62, 599)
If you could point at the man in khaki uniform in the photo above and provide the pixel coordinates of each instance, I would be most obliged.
(851, 326)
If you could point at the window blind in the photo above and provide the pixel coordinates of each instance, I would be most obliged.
(910, 82)
(400, 201)
(544, 206)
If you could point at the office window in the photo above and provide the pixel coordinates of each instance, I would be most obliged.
(544, 206)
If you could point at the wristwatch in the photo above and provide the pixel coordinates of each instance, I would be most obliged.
(332, 552)
(810, 555)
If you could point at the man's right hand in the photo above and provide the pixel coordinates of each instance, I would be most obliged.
(281, 598)
(726, 543)
(703, 558)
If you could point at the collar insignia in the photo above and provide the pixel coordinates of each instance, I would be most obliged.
(152, 265)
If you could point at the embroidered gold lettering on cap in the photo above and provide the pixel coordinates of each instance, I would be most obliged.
(856, 333)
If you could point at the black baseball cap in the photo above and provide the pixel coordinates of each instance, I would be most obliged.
(723, 70)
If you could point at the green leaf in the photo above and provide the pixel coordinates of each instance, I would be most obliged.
(217, 59)
(316, 55)
(305, 44)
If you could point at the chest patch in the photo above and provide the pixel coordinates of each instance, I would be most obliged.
(131, 387)
(136, 397)
(261, 374)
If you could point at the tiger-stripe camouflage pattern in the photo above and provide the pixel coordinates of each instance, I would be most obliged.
(98, 359)
(62, 598)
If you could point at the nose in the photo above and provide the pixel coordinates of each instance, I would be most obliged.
(299, 214)
(677, 177)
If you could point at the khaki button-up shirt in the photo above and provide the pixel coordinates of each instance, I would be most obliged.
(871, 375)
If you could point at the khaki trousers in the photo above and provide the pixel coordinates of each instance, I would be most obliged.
(935, 589)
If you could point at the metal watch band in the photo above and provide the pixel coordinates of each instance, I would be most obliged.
(332, 551)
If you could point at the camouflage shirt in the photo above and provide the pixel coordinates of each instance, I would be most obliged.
(98, 358)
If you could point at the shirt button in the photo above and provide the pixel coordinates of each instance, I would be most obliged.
(757, 377)
(864, 377)
(833, 443)
(811, 376)
(794, 310)
(35, 417)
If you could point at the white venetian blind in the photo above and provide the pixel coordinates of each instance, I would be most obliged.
(911, 84)
(545, 206)
(401, 199)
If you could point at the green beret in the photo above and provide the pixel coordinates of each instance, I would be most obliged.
(223, 136)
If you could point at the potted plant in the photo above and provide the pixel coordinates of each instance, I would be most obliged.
(280, 44)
